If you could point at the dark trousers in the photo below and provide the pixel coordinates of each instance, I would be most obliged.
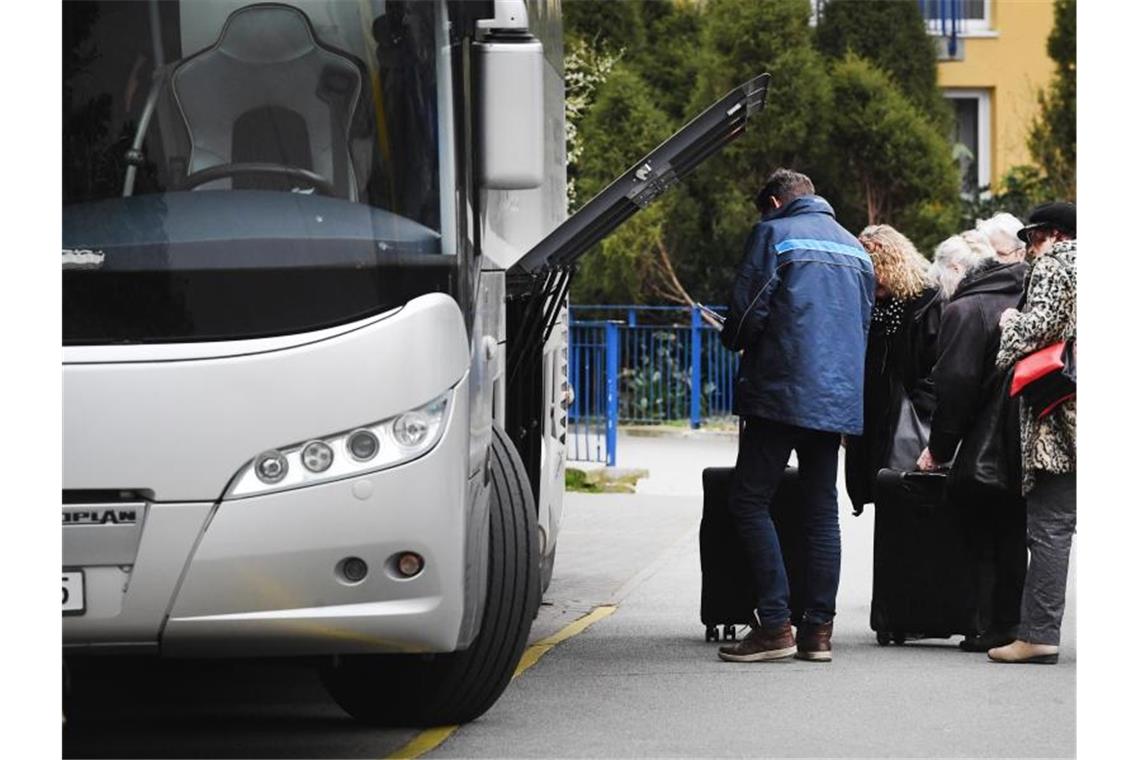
(765, 447)
(996, 534)
(1050, 523)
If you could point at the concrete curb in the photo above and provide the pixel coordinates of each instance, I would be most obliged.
(668, 431)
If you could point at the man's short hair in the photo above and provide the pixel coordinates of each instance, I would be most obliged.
(785, 185)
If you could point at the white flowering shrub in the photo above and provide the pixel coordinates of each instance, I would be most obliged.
(586, 69)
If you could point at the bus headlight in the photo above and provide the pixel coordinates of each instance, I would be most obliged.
(271, 467)
(317, 456)
(364, 449)
(411, 429)
(363, 445)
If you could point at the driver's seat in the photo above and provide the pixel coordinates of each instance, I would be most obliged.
(268, 91)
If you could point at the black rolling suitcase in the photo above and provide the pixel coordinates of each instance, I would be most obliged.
(925, 580)
(728, 592)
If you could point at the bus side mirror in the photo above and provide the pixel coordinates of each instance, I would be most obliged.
(509, 66)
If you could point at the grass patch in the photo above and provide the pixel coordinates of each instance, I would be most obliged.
(576, 480)
(604, 480)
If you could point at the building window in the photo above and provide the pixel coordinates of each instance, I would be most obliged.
(947, 18)
(961, 17)
(971, 137)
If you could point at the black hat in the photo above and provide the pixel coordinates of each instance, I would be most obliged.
(1059, 215)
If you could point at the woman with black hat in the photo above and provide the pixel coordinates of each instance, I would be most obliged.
(1048, 443)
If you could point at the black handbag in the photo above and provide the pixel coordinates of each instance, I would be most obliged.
(988, 463)
(911, 436)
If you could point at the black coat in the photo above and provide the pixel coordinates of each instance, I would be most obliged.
(896, 364)
(967, 350)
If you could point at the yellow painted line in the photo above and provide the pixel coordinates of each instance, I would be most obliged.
(425, 742)
(535, 651)
(428, 740)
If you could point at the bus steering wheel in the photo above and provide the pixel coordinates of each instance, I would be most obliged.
(224, 171)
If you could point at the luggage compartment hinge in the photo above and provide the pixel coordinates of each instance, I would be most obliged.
(652, 182)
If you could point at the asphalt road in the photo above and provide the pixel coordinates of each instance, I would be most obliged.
(641, 682)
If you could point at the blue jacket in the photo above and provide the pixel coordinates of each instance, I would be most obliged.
(800, 309)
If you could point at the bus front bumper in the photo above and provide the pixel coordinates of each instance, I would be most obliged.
(263, 576)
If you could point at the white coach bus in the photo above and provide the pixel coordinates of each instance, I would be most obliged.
(315, 265)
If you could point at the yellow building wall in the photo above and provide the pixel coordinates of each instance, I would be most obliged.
(1013, 64)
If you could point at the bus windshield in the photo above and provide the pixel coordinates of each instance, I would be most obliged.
(235, 170)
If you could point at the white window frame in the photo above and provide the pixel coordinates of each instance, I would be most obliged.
(971, 27)
(985, 126)
(984, 24)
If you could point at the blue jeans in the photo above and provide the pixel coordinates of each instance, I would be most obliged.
(765, 447)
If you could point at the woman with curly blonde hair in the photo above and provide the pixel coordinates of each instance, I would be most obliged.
(901, 349)
(899, 268)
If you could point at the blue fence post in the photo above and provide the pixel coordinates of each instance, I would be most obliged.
(612, 349)
(631, 317)
(695, 368)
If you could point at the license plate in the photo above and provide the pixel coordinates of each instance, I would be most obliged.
(74, 593)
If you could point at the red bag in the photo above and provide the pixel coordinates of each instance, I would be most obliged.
(1047, 377)
(1037, 365)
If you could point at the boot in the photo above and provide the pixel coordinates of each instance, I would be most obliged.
(761, 644)
(813, 642)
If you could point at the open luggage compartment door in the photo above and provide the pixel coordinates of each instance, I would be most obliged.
(663, 167)
(538, 282)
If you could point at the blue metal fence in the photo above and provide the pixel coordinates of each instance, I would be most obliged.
(639, 365)
(588, 438)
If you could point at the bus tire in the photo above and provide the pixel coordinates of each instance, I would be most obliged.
(457, 687)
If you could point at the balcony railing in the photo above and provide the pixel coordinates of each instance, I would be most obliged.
(948, 20)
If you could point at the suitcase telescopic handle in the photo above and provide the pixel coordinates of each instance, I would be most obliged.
(888, 476)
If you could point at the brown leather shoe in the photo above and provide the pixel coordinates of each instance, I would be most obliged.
(1024, 652)
(761, 644)
(813, 642)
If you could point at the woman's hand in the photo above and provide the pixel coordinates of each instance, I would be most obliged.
(926, 462)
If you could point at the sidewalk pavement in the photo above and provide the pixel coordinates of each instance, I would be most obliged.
(643, 682)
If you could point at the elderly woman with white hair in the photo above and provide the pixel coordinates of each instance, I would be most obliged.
(952, 259)
(979, 244)
(1001, 229)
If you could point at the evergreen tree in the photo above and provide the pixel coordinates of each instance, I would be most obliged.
(741, 39)
(668, 59)
(897, 164)
(872, 150)
(1053, 136)
(604, 24)
(623, 124)
(892, 35)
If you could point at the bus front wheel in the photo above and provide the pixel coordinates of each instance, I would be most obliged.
(442, 689)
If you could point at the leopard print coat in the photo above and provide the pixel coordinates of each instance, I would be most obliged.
(1049, 315)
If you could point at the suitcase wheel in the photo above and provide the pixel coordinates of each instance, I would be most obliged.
(898, 637)
(730, 633)
(883, 638)
(711, 633)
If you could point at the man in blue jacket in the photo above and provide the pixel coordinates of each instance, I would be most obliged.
(800, 309)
